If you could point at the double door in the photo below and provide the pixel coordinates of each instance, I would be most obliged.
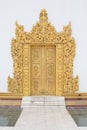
(43, 73)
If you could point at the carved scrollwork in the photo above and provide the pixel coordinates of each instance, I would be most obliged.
(15, 84)
(43, 33)
(70, 83)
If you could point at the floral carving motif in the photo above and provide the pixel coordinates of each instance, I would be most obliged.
(43, 33)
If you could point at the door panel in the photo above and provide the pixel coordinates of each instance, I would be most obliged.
(43, 70)
(36, 78)
(50, 69)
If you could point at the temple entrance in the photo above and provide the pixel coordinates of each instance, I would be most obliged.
(43, 60)
(43, 70)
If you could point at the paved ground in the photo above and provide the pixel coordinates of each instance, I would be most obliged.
(45, 118)
(9, 115)
(44, 113)
(79, 115)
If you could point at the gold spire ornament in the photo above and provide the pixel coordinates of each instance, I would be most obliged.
(43, 16)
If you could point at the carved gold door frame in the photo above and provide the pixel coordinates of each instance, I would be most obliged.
(43, 34)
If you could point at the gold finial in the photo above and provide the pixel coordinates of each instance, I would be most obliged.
(67, 29)
(43, 15)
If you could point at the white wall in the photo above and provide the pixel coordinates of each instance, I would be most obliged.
(60, 12)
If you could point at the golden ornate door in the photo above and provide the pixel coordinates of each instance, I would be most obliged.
(43, 70)
(35, 69)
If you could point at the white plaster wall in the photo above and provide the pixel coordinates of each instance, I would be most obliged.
(60, 12)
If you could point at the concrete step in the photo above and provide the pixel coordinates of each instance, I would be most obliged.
(43, 101)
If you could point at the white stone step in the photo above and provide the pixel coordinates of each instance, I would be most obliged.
(42, 101)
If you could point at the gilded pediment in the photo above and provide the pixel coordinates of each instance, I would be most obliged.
(43, 32)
